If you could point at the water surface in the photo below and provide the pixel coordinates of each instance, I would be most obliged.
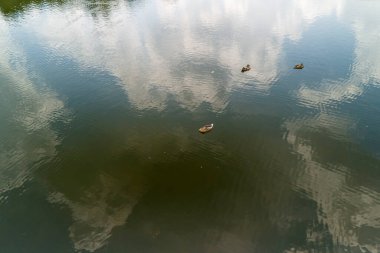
(100, 102)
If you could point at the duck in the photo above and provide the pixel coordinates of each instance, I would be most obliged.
(298, 66)
(206, 128)
(246, 68)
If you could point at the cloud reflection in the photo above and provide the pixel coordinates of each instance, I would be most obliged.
(192, 52)
(365, 65)
(189, 52)
(329, 184)
(94, 215)
(26, 113)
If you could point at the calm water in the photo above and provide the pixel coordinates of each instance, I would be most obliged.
(100, 102)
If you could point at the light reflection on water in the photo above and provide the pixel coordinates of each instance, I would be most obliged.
(108, 96)
(26, 112)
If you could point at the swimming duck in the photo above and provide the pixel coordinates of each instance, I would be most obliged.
(206, 128)
(246, 68)
(298, 66)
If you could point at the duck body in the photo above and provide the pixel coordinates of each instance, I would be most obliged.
(206, 128)
(298, 66)
(246, 68)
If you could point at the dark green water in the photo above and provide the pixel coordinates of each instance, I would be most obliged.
(100, 103)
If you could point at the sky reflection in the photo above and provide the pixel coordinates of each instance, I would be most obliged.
(26, 114)
(146, 47)
(191, 52)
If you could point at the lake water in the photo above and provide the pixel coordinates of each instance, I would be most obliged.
(100, 105)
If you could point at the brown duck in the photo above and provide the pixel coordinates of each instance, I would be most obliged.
(206, 128)
(298, 66)
(246, 68)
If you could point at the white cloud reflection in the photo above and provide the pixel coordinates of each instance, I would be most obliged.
(179, 50)
(94, 217)
(329, 185)
(365, 67)
(26, 113)
(192, 51)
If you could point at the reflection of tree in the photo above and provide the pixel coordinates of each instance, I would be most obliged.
(13, 7)
(103, 9)
(95, 7)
